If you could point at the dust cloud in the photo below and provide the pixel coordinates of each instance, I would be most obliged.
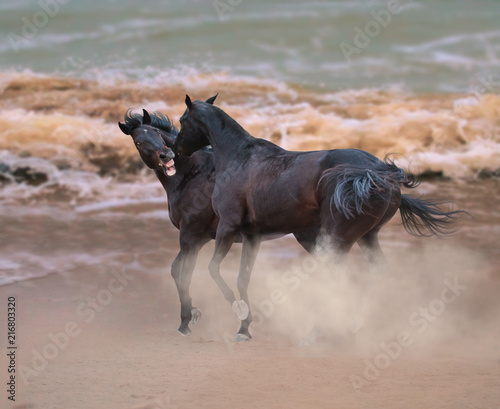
(434, 300)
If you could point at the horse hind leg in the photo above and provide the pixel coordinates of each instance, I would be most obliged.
(308, 238)
(370, 246)
(343, 232)
(369, 243)
(338, 234)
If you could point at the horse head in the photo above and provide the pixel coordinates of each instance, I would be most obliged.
(193, 135)
(153, 144)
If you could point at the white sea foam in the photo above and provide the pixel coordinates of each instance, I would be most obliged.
(22, 266)
(450, 40)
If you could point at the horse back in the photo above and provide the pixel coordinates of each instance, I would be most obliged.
(283, 183)
(278, 183)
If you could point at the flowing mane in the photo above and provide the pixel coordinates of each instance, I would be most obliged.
(158, 120)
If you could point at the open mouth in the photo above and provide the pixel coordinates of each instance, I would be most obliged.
(168, 168)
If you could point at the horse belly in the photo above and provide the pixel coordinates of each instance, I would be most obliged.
(275, 213)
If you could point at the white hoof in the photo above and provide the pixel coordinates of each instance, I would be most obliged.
(241, 309)
(241, 338)
(195, 315)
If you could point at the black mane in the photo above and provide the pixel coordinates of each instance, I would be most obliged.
(158, 120)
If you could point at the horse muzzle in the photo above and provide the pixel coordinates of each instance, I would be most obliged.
(167, 163)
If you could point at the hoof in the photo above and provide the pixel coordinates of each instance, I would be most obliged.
(195, 315)
(242, 338)
(241, 309)
(184, 331)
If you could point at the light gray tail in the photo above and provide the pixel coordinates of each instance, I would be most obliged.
(356, 187)
(423, 217)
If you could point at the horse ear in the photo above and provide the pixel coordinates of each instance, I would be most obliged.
(146, 119)
(189, 104)
(212, 99)
(124, 128)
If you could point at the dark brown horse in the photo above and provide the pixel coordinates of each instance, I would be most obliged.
(261, 188)
(189, 184)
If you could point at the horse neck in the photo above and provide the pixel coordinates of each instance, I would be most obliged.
(168, 183)
(169, 138)
(226, 138)
(171, 183)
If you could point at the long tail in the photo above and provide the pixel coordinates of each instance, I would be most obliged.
(423, 217)
(356, 187)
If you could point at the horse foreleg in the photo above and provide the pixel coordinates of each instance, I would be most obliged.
(176, 274)
(182, 272)
(251, 246)
(223, 241)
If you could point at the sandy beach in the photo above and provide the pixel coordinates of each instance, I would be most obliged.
(131, 356)
(104, 336)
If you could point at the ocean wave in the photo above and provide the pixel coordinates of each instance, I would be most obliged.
(463, 163)
(456, 61)
(22, 266)
(33, 180)
(14, 4)
(28, 265)
(456, 39)
(48, 41)
(75, 153)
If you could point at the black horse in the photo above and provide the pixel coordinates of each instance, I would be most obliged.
(261, 188)
(189, 184)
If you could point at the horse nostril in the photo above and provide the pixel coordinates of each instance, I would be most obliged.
(163, 155)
